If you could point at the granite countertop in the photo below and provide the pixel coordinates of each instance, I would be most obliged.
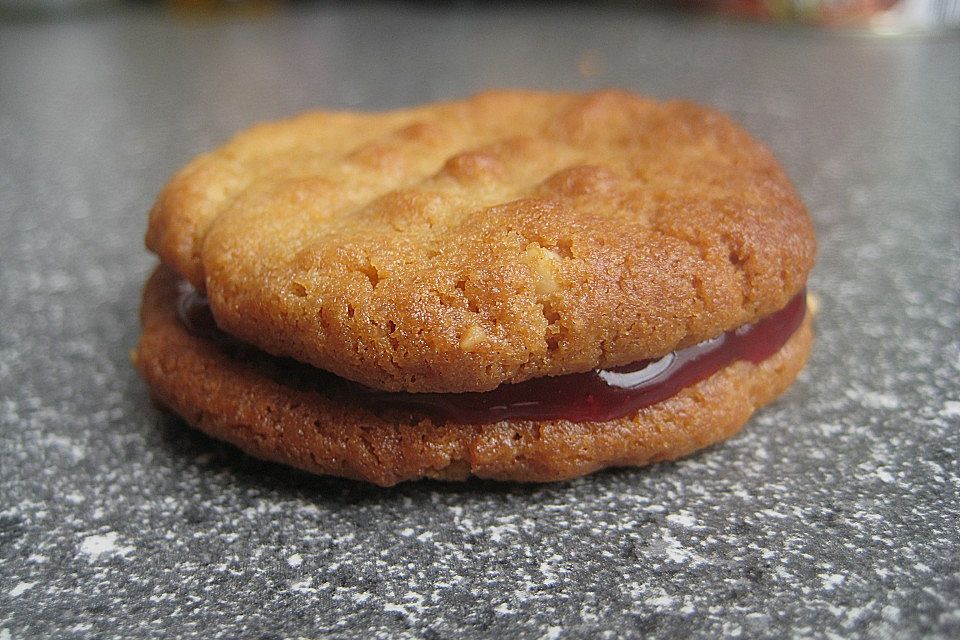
(834, 514)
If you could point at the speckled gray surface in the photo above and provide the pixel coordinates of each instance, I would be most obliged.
(833, 515)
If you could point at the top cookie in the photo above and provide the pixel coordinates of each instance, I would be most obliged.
(458, 246)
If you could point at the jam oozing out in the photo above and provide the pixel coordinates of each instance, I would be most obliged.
(595, 396)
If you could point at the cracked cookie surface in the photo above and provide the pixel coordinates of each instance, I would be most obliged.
(459, 246)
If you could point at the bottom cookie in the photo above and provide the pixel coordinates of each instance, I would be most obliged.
(282, 411)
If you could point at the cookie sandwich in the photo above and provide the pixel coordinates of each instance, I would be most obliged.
(520, 286)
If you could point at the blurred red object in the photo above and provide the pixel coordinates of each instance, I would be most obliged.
(823, 12)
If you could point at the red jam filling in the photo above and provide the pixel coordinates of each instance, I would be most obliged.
(596, 396)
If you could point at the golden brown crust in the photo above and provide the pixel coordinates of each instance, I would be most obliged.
(238, 400)
(514, 235)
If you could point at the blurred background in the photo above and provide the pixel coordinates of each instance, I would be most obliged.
(878, 16)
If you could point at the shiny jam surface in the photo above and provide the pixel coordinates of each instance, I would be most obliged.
(595, 396)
